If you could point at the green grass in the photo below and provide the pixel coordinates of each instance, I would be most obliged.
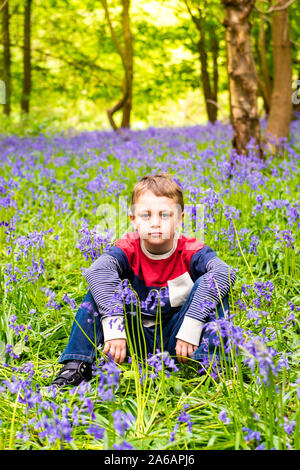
(33, 418)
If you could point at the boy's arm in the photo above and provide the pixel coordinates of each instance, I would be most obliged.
(216, 283)
(103, 278)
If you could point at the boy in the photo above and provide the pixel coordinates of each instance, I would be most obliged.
(156, 256)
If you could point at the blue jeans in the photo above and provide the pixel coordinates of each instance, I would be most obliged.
(81, 348)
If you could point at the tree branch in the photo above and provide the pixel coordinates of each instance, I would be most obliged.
(112, 31)
(76, 65)
(3, 4)
(274, 8)
(126, 88)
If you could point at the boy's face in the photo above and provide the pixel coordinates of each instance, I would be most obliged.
(156, 218)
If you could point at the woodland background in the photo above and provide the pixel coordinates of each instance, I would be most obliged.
(110, 64)
(166, 79)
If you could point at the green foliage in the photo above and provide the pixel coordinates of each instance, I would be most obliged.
(77, 72)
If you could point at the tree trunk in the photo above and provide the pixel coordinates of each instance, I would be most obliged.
(26, 58)
(128, 59)
(296, 100)
(211, 108)
(209, 90)
(264, 80)
(126, 55)
(6, 59)
(243, 83)
(281, 101)
(215, 53)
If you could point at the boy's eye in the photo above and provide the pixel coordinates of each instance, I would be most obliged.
(164, 215)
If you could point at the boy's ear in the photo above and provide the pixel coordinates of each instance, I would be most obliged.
(179, 221)
(132, 219)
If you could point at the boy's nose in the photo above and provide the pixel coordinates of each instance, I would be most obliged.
(154, 221)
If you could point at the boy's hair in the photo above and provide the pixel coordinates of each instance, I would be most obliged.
(161, 184)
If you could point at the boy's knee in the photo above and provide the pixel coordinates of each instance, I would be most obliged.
(89, 303)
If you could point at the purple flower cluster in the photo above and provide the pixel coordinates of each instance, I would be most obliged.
(123, 446)
(91, 243)
(258, 295)
(251, 435)
(154, 298)
(122, 421)
(224, 417)
(95, 431)
(160, 361)
(291, 209)
(31, 273)
(230, 234)
(285, 238)
(54, 422)
(26, 245)
(26, 242)
(183, 417)
(125, 294)
(51, 296)
(254, 242)
(53, 425)
(261, 290)
(289, 425)
(108, 374)
(20, 334)
(70, 301)
(256, 354)
(45, 417)
(10, 351)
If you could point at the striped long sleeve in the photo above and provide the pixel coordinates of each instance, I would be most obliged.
(105, 275)
(106, 272)
(214, 286)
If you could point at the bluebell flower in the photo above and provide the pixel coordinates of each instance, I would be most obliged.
(260, 447)
(289, 426)
(70, 301)
(224, 418)
(122, 421)
(184, 417)
(254, 242)
(173, 433)
(159, 360)
(123, 446)
(95, 431)
(251, 435)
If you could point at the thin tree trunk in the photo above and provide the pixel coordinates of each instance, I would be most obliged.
(128, 59)
(281, 101)
(243, 83)
(209, 91)
(126, 55)
(264, 79)
(26, 58)
(210, 108)
(6, 59)
(267, 87)
(215, 53)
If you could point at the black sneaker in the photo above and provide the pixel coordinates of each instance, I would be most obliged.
(73, 373)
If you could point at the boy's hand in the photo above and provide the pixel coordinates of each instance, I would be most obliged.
(184, 350)
(116, 348)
